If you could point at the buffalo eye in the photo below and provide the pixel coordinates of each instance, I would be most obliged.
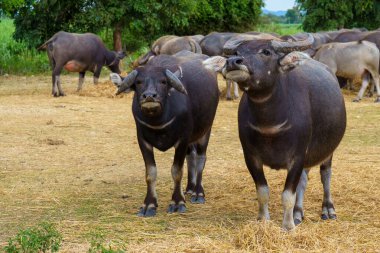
(266, 52)
(138, 82)
(163, 82)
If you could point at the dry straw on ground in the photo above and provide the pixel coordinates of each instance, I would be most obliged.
(75, 161)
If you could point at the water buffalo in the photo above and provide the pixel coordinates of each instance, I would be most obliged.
(339, 57)
(212, 45)
(171, 44)
(174, 105)
(79, 53)
(292, 115)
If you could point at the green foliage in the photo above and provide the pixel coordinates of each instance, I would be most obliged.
(42, 238)
(224, 15)
(10, 6)
(293, 16)
(336, 14)
(97, 242)
(15, 57)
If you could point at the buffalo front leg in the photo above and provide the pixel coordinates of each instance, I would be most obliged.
(298, 212)
(81, 80)
(289, 194)
(178, 199)
(150, 203)
(228, 94)
(236, 90)
(328, 210)
(255, 168)
(97, 73)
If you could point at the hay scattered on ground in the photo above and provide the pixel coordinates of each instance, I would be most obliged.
(95, 180)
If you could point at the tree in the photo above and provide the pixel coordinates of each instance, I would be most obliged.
(293, 16)
(225, 15)
(336, 14)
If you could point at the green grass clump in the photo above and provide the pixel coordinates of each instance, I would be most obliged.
(97, 244)
(42, 238)
(282, 29)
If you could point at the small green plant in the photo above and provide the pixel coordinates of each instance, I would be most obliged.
(42, 238)
(97, 242)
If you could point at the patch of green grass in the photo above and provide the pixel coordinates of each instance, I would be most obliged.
(97, 244)
(16, 57)
(42, 238)
(282, 29)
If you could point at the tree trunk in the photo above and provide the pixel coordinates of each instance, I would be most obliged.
(117, 43)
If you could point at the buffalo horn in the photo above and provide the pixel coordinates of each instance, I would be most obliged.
(127, 82)
(290, 46)
(175, 82)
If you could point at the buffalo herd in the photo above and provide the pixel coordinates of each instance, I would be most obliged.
(291, 114)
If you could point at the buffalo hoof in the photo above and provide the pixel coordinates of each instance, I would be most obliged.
(328, 216)
(297, 222)
(180, 208)
(356, 100)
(147, 212)
(197, 199)
(229, 98)
(377, 100)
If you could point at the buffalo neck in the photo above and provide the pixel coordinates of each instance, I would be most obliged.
(274, 109)
(110, 57)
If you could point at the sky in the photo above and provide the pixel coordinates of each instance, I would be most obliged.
(278, 5)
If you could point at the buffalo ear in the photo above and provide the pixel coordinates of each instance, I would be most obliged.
(175, 82)
(127, 83)
(215, 63)
(121, 54)
(292, 60)
(145, 58)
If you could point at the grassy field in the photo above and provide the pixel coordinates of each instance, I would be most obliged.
(74, 161)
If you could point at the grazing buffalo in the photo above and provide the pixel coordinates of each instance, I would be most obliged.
(338, 56)
(171, 44)
(174, 105)
(79, 53)
(291, 116)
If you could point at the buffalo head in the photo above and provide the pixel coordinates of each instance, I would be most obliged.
(255, 64)
(114, 65)
(152, 86)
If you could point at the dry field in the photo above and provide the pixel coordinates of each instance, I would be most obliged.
(74, 161)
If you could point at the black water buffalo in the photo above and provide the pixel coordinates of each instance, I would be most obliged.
(79, 53)
(174, 105)
(292, 115)
(212, 45)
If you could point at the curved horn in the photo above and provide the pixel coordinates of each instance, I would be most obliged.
(144, 59)
(287, 46)
(175, 82)
(127, 82)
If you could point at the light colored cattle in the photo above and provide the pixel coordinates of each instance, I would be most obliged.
(351, 60)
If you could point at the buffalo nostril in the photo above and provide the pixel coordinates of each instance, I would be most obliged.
(239, 61)
(154, 95)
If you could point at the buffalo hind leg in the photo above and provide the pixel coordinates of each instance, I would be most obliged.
(178, 199)
(97, 73)
(298, 212)
(56, 80)
(198, 196)
(365, 82)
(328, 210)
(150, 205)
(191, 169)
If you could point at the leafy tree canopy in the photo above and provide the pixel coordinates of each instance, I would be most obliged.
(140, 21)
(336, 14)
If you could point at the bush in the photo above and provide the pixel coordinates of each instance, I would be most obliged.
(42, 238)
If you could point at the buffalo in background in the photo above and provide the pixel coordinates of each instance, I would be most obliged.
(78, 53)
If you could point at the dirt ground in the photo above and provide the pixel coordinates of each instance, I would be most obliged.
(74, 161)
